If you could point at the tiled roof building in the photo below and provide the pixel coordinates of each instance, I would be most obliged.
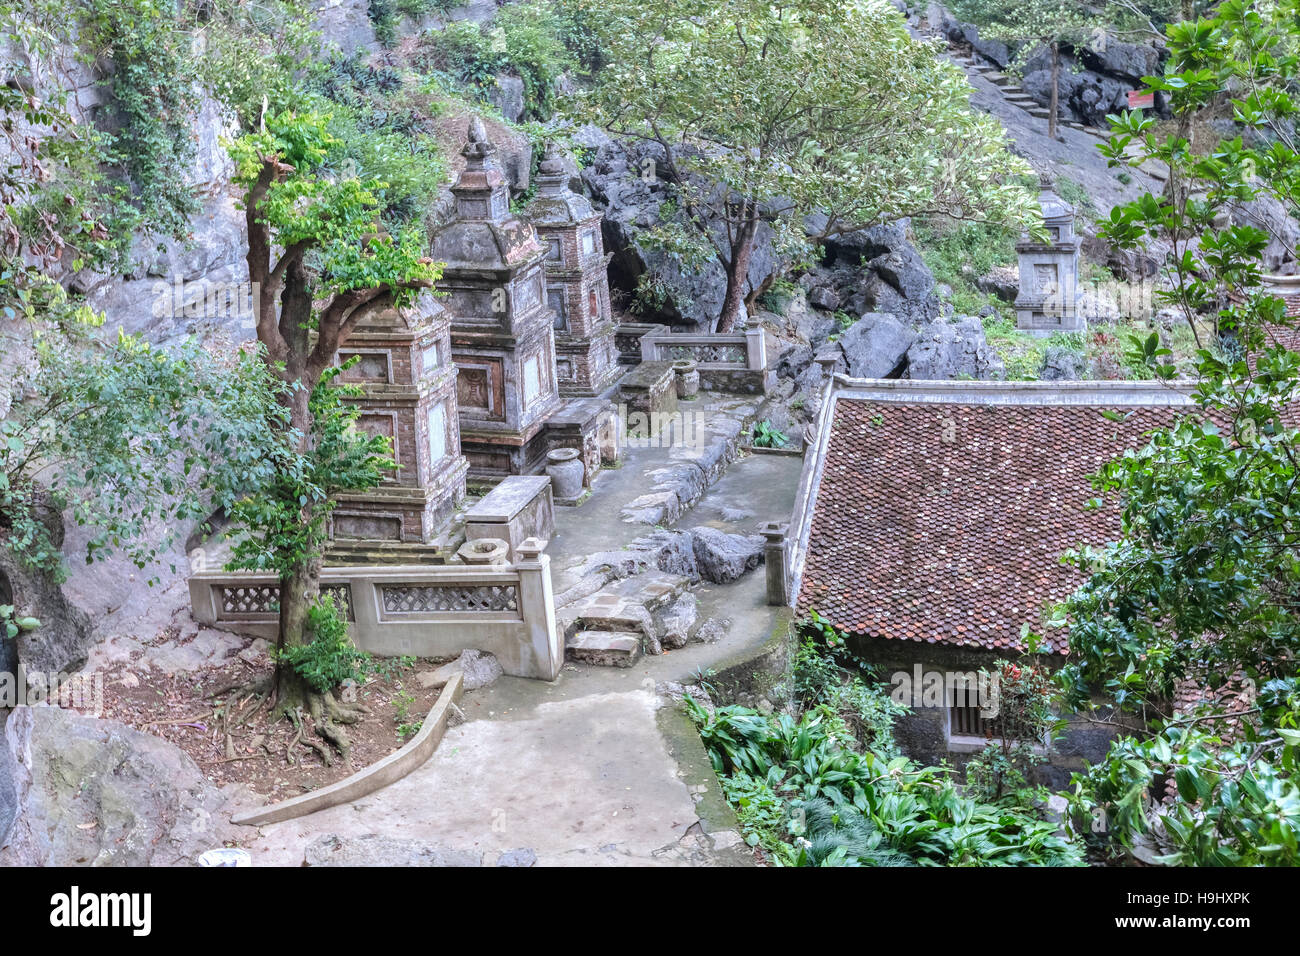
(941, 510)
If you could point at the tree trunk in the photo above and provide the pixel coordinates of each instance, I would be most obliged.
(738, 271)
(1056, 94)
(300, 588)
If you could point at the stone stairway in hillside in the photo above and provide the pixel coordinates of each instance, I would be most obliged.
(1013, 93)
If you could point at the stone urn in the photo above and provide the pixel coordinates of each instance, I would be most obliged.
(484, 551)
(565, 467)
(688, 378)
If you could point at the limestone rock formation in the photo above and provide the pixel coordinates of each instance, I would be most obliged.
(626, 179)
(876, 346)
(724, 557)
(954, 349)
(95, 792)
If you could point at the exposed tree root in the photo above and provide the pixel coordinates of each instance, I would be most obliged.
(295, 701)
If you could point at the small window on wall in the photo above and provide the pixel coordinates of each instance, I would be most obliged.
(589, 243)
(554, 251)
(437, 433)
(967, 721)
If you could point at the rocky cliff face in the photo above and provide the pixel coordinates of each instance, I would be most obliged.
(94, 792)
(626, 178)
(1094, 79)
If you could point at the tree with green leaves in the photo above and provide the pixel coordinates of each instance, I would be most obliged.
(1028, 24)
(320, 263)
(1203, 585)
(768, 113)
(132, 441)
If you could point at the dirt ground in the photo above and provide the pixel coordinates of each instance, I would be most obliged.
(261, 754)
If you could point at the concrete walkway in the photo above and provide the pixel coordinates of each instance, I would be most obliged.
(592, 769)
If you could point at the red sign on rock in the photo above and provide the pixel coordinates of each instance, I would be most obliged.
(1141, 99)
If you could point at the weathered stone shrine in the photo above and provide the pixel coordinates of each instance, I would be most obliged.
(409, 395)
(502, 331)
(577, 286)
(1049, 271)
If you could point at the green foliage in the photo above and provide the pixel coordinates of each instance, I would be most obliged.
(765, 114)
(960, 253)
(1022, 727)
(779, 296)
(827, 788)
(330, 657)
(1201, 584)
(253, 53)
(1238, 802)
(767, 435)
(133, 441)
(11, 625)
(825, 674)
(882, 811)
(1078, 197)
(283, 522)
(385, 132)
(524, 40)
(151, 88)
(333, 216)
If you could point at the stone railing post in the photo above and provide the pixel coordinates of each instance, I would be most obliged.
(775, 558)
(366, 600)
(649, 347)
(755, 350)
(537, 607)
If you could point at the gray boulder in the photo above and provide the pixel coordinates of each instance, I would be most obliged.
(1128, 61)
(66, 632)
(98, 793)
(1002, 282)
(373, 849)
(724, 557)
(953, 349)
(676, 622)
(1062, 365)
(876, 346)
(477, 669)
(508, 96)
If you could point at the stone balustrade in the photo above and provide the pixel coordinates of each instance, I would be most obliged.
(507, 610)
(728, 362)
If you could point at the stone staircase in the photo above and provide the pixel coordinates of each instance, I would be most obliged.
(1013, 93)
(638, 614)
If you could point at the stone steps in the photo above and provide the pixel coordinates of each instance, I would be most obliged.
(604, 648)
(651, 610)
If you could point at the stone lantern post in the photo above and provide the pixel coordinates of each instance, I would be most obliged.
(1048, 300)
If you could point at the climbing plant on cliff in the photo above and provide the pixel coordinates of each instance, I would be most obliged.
(1203, 586)
(766, 113)
(320, 264)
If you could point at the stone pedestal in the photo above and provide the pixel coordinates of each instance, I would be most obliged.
(1049, 271)
(403, 366)
(502, 337)
(648, 392)
(519, 507)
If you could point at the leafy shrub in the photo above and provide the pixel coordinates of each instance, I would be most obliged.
(524, 40)
(330, 657)
(767, 435)
(884, 809)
